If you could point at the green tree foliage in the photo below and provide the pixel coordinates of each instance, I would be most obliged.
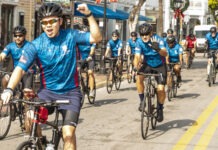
(213, 5)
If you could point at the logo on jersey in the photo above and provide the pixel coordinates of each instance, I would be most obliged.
(65, 50)
(23, 59)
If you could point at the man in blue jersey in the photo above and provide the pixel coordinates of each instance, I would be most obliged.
(212, 46)
(15, 49)
(87, 53)
(174, 51)
(55, 53)
(130, 50)
(152, 47)
(114, 46)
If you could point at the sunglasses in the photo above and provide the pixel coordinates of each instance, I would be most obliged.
(18, 36)
(114, 36)
(145, 34)
(52, 21)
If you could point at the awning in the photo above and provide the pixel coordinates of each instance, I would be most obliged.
(98, 12)
(141, 18)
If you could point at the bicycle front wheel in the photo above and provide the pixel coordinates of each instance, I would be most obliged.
(110, 81)
(117, 79)
(210, 75)
(92, 99)
(154, 105)
(5, 120)
(169, 93)
(214, 75)
(174, 86)
(28, 145)
(129, 73)
(144, 118)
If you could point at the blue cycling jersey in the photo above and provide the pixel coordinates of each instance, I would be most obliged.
(56, 58)
(174, 52)
(212, 42)
(85, 50)
(132, 45)
(151, 57)
(16, 51)
(114, 46)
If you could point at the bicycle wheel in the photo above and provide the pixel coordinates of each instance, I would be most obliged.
(117, 79)
(210, 75)
(174, 87)
(83, 88)
(129, 73)
(109, 82)
(214, 75)
(169, 93)
(28, 145)
(144, 118)
(5, 120)
(154, 102)
(92, 99)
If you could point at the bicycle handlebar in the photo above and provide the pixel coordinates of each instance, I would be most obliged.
(39, 102)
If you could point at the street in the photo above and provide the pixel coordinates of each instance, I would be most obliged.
(113, 122)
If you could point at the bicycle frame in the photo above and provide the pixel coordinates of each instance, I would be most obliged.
(211, 68)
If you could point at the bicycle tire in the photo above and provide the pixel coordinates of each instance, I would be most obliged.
(210, 76)
(109, 83)
(5, 120)
(117, 79)
(169, 94)
(28, 145)
(129, 73)
(154, 105)
(144, 118)
(174, 87)
(83, 92)
(214, 75)
(92, 99)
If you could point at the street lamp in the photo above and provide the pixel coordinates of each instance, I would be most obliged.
(178, 5)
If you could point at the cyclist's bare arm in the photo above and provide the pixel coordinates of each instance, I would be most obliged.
(128, 52)
(107, 51)
(92, 51)
(2, 57)
(180, 59)
(95, 35)
(119, 51)
(167, 59)
(163, 52)
(13, 82)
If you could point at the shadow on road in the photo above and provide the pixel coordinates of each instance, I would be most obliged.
(106, 102)
(188, 95)
(175, 124)
(128, 89)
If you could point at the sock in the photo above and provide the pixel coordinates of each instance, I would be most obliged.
(160, 106)
(141, 96)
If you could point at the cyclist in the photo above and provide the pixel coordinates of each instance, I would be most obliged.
(115, 46)
(55, 51)
(190, 45)
(174, 51)
(15, 50)
(212, 43)
(87, 52)
(130, 46)
(152, 47)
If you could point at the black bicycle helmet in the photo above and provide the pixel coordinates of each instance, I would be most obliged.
(20, 29)
(171, 39)
(213, 29)
(50, 9)
(170, 31)
(145, 29)
(164, 34)
(134, 33)
(116, 33)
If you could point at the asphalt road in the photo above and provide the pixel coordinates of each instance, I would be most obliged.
(113, 122)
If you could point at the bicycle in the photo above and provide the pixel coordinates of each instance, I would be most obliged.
(114, 76)
(211, 69)
(9, 112)
(130, 66)
(150, 103)
(190, 58)
(173, 84)
(40, 116)
(84, 81)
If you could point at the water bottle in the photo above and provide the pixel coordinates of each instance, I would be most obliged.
(50, 146)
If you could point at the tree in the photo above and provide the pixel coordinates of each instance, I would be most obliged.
(213, 5)
(134, 15)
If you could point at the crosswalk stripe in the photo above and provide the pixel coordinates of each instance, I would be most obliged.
(189, 134)
(207, 135)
